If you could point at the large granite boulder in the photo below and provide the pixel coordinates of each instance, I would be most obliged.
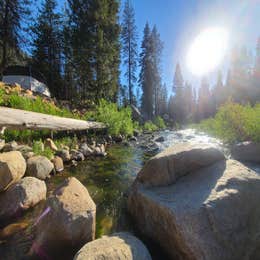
(39, 167)
(212, 213)
(68, 220)
(118, 246)
(12, 168)
(21, 196)
(182, 159)
(246, 151)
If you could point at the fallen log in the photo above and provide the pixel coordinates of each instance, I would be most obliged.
(17, 119)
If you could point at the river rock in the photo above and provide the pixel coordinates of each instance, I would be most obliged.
(21, 196)
(117, 246)
(77, 155)
(68, 220)
(39, 167)
(85, 149)
(10, 147)
(246, 151)
(12, 168)
(50, 144)
(133, 139)
(160, 139)
(64, 154)
(212, 213)
(58, 164)
(177, 161)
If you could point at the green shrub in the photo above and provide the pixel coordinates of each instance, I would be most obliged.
(150, 126)
(234, 123)
(118, 121)
(159, 122)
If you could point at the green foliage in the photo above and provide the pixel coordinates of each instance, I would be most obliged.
(71, 142)
(38, 149)
(159, 122)
(118, 121)
(234, 123)
(1, 96)
(150, 126)
(38, 104)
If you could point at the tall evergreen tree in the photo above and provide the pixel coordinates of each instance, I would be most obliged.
(218, 91)
(156, 52)
(239, 77)
(178, 102)
(145, 78)
(13, 14)
(129, 46)
(204, 108)
(94, 30)
(47, 46)
(255, 89)
(162, 100)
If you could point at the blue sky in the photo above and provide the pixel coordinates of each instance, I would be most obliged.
(180, 21)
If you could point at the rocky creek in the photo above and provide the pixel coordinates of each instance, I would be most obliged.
(108, 180)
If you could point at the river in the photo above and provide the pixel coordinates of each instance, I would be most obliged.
(107, 180)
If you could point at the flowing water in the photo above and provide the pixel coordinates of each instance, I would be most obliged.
(107, 180)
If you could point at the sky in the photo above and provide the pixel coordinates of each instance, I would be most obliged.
(180, 21)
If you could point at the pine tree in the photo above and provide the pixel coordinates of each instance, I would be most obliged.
(162, 100)
(94, 32)
(156, 52)
(187, 103)
(204, 108)
(218, 92)
(255, 84)
(178, 102)
(129, 49)
(239, 76)
(47, 46)
(13, 14)
(146, 78)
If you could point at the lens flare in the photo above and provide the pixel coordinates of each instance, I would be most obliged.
(207, 51)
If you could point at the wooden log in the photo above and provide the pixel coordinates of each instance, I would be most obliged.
(20, 120)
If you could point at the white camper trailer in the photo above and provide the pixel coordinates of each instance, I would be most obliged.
(27, 77)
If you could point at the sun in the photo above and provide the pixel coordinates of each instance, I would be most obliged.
(207, 51)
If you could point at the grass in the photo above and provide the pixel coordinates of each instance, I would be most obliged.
(234, 123)
(39, 149)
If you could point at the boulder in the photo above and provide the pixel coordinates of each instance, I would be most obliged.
(21, 196)
(177, 161)
(10, 147)
(58, 164)
(246, 151)
(12, 168)
(68, 220)
(64, 154)
(117, 246)
(39, 167)
(2, 144)
(50, 144)
(212, 213)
